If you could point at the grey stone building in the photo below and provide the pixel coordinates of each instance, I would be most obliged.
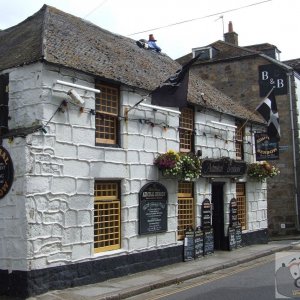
(247, 74)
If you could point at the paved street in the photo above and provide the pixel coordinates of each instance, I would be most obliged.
(223, 273)
(248, 281)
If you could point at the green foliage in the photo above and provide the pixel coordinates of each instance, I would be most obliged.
(184, 166)
(261, 171)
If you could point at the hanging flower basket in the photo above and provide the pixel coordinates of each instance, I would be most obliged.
(183, 166)
(261, 171)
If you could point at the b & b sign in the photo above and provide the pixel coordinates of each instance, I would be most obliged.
(272, 76)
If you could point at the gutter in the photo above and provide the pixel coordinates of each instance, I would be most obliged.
(294, 148)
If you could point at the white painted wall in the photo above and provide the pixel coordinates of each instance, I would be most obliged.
(51, 200)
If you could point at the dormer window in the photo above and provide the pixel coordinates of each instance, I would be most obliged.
(207, 52)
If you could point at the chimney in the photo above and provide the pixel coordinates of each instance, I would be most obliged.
(231, 37)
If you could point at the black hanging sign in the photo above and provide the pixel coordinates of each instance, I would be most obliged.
(6, 172)
(206, 215)
(208, 242)
(189, 245)
(199, 239)
(224, 167)
(265, 148)
(272, 76)
(233, 213)
(153, 208)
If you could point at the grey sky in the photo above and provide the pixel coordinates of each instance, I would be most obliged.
(275, 22)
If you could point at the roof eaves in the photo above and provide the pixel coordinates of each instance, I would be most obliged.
(277, 62)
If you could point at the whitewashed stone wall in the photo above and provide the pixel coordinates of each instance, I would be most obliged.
(217, 141)
(52, 198)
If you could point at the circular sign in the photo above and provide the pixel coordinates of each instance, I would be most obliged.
(6, 172)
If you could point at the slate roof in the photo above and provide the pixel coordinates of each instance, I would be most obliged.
(262, 47)
(59, 38)
(224, 51)
(294, 63)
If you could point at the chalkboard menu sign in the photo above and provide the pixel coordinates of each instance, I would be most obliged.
(238, 236)
(233, 213)
(199, 239)
(231, 237)
(153, 198)
(189, 245)
(6, 172)
(206, 215)
(208, 242)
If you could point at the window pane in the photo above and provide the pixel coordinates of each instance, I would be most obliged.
(106, 216)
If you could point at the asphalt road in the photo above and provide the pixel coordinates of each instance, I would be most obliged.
(254, 281)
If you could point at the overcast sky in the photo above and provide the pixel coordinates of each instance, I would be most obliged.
(272, 21)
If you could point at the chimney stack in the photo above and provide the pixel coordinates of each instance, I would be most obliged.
(231, 37)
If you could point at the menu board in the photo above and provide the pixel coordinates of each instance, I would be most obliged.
(231, 238)
(199, 241)
(208, 242)
(206, 215)
(233, 213)
(189, 245)
(6, 172)
(153, 215)
(238, 236)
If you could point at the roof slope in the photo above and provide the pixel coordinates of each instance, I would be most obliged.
(66, 40)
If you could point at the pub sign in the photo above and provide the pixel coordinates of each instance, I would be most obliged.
(272, 76)
(224, 167)
(266, 148)
(6, 172)
(153, 208)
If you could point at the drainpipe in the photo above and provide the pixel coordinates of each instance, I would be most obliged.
(294, 149)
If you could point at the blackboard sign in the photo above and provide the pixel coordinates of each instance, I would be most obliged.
(238, 236)
(189, 245)
(153, 215)
(199, 239)
(231, 238)
(208, 242)
(6, 172)
(233, 213)
(206, 215)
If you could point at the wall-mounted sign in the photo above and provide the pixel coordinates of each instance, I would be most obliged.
(6, 172)
(265, 148)
(272, 76)
(224, 167)
(153, 208)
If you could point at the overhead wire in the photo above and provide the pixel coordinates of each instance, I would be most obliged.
(199, 18)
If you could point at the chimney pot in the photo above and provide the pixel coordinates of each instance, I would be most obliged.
(231, 37)
(230, 27)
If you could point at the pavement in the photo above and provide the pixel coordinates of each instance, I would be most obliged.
(142, 282)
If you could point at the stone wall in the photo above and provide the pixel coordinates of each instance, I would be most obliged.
(52, 197)
(239, 80)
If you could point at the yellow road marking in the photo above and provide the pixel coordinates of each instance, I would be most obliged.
(219, 276)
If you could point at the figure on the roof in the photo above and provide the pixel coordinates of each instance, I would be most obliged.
(152, 44)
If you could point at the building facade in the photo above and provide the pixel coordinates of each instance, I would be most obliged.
(82, 199)
(247, 75)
